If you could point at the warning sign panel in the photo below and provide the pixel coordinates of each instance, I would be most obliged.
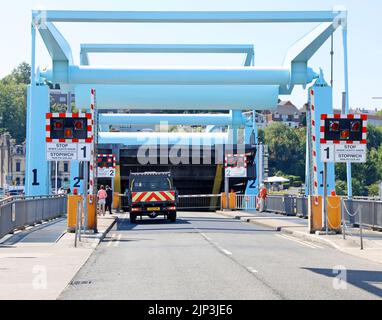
(350, 153)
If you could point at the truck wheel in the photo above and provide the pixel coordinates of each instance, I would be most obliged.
(172, 216)
(133, 218)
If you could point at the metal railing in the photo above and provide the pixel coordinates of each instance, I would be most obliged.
(245, 202)
(20, 211)
(282, 204)
(199, 201)
(370, 209)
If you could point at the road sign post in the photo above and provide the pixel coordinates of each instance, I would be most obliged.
(69, 137)
(342, 140)
(235, 167)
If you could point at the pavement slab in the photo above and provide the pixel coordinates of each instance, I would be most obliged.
(38, 263)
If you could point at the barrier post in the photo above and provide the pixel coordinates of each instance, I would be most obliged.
(360, 228)
(78, 224)
(343, 219)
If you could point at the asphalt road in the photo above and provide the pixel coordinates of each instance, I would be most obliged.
(209, 256)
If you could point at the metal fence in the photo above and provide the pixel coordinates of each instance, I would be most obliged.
(367, 211)
(199, 201)
(18, 212)
(245, 202)
(282, 204)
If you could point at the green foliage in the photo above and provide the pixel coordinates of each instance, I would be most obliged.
(287, 159)
(341, 188)
(13, 90)
(374, 136)
(286, 149)
(373, 190)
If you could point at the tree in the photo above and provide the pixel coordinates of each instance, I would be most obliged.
(374, 136)
(286, 149)
(13, 102)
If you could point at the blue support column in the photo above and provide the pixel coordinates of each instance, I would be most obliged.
(36, 173)
(252, 186)
(75, 183)
(321, 102)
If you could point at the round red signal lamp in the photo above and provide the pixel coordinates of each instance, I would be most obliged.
(68, 133)
(78, 125)
(58, 125)
(334, 126)
(355, 126)
(345, 134)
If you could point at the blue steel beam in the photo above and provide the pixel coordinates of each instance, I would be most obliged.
(179, 97)
(303, 50)
(188, 16)
(160, 138)
(166, 48)
(179, 76)
(171, 119)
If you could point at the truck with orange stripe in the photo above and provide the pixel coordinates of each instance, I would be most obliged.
(151, 194)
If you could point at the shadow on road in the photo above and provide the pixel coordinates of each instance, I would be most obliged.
(124, 223)
(363, 279)
(188, 225)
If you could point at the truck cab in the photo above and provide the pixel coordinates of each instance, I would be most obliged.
(151, 194)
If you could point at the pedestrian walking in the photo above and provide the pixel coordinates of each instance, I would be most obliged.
(109, 199)
(102, 195)
(262, 198)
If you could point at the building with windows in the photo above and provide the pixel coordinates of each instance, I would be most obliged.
(286, 113)
(12, 162)
(63, 174)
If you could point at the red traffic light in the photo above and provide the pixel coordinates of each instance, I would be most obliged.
(345, 134)
(355, 126)
(68, 133)
(58, 124)
(78, 125)
(334, 126)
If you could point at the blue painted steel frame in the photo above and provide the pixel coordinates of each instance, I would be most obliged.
(63, 66)
(166, 48)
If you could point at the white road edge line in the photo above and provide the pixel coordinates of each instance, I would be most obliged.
(297, 241)
(316, 246)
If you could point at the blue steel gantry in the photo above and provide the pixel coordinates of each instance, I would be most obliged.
(211, 88)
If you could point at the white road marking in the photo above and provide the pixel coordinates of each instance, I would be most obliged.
(111, 240)
(312, 246)
(228, 253)
(215, 244)
(205, 236)
(252, 270)
(116, 244)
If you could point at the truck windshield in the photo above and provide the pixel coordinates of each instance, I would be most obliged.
(150, 183)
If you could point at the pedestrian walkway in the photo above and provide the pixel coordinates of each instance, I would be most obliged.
(40, 262)
(298, 227)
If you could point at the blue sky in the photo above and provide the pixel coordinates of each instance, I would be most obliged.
(271, 40)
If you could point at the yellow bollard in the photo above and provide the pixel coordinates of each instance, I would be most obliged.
(334, 213)
(223, 200)
(92, 215)
(232, 200)
(315, 213)
(116, 200)
(72, 211)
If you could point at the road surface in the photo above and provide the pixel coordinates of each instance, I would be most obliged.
(209, 256)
